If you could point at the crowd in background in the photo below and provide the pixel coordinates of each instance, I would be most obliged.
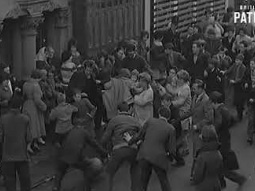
(141, 104)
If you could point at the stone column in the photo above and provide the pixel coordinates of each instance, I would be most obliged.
(61, 26)
(28, 34)
(17, 51)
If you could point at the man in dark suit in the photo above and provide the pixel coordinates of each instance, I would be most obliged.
(15, 137)
(115, 132)
(158, 141)
(173, 59)
(197, 63)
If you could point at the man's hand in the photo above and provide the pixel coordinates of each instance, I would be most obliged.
(232, 81)
(251, 100)
(246, 85)
(127, 137)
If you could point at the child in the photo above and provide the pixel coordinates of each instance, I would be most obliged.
(86, 112)
(63, 116)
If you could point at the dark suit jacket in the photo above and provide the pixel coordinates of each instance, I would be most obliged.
(213, 45)
(158, 58)
(247, 79)
(158, 138)
(196, 70)
(178, 61)
(213, 81)
(201, 110)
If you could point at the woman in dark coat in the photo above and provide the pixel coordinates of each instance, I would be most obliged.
(209, 164)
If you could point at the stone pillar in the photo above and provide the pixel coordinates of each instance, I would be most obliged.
(61, 26)
(17, 51)
(28, 34)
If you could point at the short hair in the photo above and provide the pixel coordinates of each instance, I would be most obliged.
(230, 9)
(184, 75)
(166, 97)
(242, 29)
(61, 97)
(144, 33)
(164, 112)
(216, 97)
(209, 133)
(196, 43)
(123, 107)
(66, 55)
(199, 83)
(36, 74)
(158, 35)
(72, 42)
(214, 62)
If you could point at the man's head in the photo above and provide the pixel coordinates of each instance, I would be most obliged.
(168, 47)
(158, 36)
(196, 48)
(239, 59)
(190, 30)
(49, 52)
(123, 107)
(166, 100)
(198, 87)
(252, 63)
(131, 50)
(61, 98)
(164, 112)
(144, 80)
(209, 134)
(242, 31)
(213, 63)
(89, 67)
(215, 98)
(77, 95)
(5, 68)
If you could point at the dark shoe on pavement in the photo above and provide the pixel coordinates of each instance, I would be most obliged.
(242, 182)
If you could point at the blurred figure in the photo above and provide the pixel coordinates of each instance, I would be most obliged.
(209, 163)
(15, 137)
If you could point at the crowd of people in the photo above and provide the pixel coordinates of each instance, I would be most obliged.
(140, 104)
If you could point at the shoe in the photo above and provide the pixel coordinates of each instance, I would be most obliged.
(41, 141)
(242, 182)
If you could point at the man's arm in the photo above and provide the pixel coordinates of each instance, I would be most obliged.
(108, 132)
(140, 135)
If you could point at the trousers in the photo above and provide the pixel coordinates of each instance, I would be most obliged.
(146, 171)
(119, 156)
(9, 172)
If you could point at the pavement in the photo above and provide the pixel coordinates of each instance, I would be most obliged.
(42, 166)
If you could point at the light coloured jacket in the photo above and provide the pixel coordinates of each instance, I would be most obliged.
(143, 105)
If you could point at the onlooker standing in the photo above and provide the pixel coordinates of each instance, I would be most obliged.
(15, 136)
(235, 76)
(142, 48)
(250, 88)
(157, 53)
(133, 61)
(72, 48)
(34, 107)
(159, 140)
(5, 94)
